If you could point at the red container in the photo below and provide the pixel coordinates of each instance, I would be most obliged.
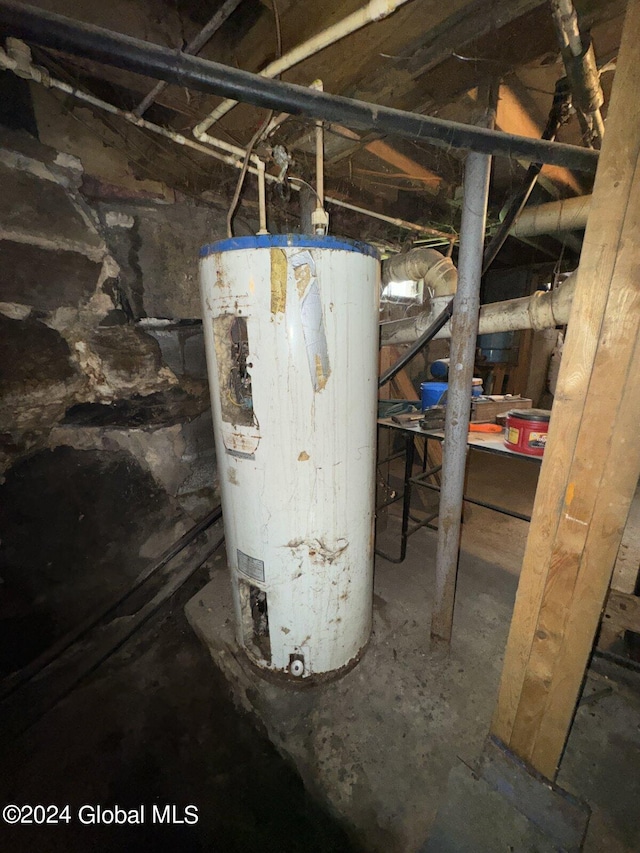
(527, 431)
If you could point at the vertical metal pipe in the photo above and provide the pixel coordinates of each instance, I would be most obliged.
(464, 329)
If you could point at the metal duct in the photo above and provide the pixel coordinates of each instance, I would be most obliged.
(437, 270)
(570, 214)
(539, 311)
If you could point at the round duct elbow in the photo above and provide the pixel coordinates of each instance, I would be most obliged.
(438, 271)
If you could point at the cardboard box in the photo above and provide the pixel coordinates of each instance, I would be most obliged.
(484, 411)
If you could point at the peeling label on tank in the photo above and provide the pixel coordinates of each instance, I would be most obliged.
(252, 567)
(308, 288)
(303, 269)
(278, 281)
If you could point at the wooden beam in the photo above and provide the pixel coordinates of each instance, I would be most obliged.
(388, 154)
(513, 117)
(406, 165)
(592, 460)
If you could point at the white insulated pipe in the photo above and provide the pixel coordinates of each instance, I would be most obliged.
(569, 214)
(375, 10)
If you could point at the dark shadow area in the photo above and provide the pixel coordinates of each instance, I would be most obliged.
(73, 523)
(153, 727)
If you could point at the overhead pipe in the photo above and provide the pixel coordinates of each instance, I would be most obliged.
(581, 67)
(463, 345)
(569, 214)
(319, 217)
(435, 269)
(55, 31)
(375, 10)
(441, 277)
(18, 60)
(437, 323)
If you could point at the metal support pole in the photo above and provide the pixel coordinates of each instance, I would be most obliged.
(464, 329)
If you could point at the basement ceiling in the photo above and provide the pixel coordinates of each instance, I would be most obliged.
(428, 57)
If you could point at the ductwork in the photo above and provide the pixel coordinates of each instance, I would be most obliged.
(438, 271)
(570, 214)
(539, 311)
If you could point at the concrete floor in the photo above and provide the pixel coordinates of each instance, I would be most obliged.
(377, 745)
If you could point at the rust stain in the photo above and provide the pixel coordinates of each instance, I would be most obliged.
(278, 281)
(303, 456)
(220, 282)
(319, 549)
(321, 376)
(302, 276)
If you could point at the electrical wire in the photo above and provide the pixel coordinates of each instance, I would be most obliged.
(296, 180)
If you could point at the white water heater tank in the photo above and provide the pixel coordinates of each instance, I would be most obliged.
(291, 333)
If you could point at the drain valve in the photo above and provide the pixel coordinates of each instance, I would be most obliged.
(296, 665)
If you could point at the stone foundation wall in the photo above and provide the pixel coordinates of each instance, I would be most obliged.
(76, 277)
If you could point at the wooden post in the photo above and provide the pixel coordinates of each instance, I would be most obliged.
(592, 460)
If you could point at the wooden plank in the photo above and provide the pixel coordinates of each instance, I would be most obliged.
(592, 461)
(621, 614)
(406, 165)
(626, 569)
(519, 373)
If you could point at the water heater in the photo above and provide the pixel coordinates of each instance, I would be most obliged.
(291, 334)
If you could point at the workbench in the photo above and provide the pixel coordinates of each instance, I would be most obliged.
(483, 442)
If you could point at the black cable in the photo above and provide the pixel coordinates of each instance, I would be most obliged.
(559, 115)
(441, 320)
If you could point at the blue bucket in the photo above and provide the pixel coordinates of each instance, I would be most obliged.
(431, 392)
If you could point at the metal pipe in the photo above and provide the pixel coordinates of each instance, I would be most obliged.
(320, 163)
(439, 274)
(375, 10)
(456, 428)
(580, 64)
(194, 46)
(41, 76)
(60, 33)
(262, 199)
(393, 220)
